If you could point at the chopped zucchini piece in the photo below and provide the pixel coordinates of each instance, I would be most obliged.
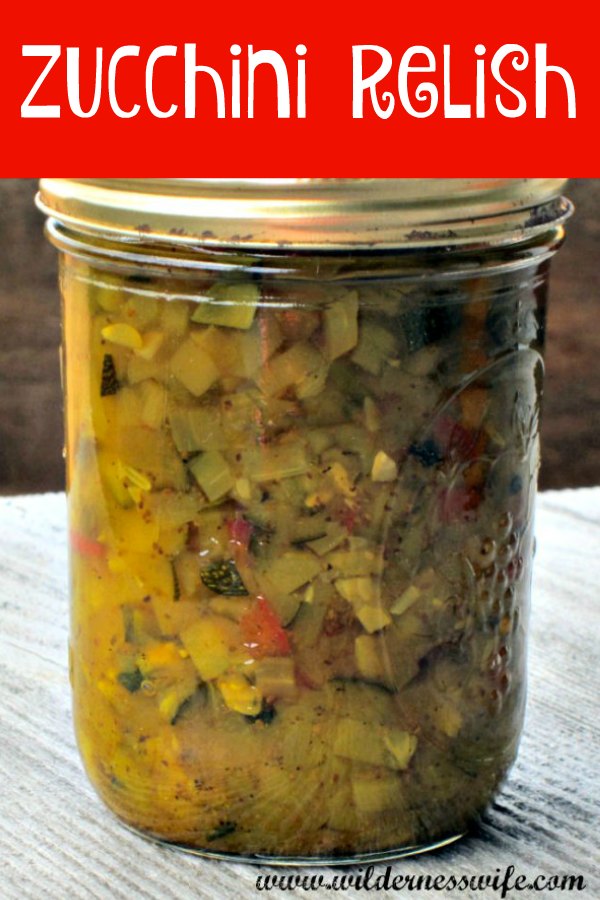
(222, 345)
(222, 577)
(175, 317)
(213, 643)
(125, 411)
(341, 326)
(212, 523)
(308, 624)
(173, 699)
(171, 674)
(175, 509)
(239, 412)
(307, 529)
(372, 415)
(338, 474)
(154, 574)
(122, 334)
(384, 467)
(291, 570)
(297, 366)
(285, 606)
(406, 599)
(314, 383)
(374, 794)
(154, 404)
(356, 562)
(197, 428)
(402, 745)
(139, 369)
(369, 660)
(359, 591)
(243, 489)
(107, 296)
(255, 347)
(173, 708)
(187, 572)
(131, 680)
(213, 474)
(360, 742)
(138, 624)
(232, 607)
(336, 533)
(172, 541)
(194, 368)
(275, 676)
(272, 463)
(173, 616)
(111, 472)
(132, 532)
(341, 814)
(373, 618)
(375, 346)
(109, 383)
(229, 305)
(152, 341)
(320, 439)
(157, 457)
(239, 695)
(424, 361)
(140, 311)
(449, 719)
(133, 477)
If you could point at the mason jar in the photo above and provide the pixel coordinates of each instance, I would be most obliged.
(302, 447)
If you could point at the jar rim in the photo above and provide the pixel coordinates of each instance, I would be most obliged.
(308, 213)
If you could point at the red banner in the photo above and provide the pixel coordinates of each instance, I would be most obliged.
(268, 90)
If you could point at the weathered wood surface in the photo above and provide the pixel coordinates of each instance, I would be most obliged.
(57, 842)
(30, 401)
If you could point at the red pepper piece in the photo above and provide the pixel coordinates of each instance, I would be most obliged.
(347, 518)
(458, 504)
(456, 441)
(262, 631)
(86, 546)
(240, 531)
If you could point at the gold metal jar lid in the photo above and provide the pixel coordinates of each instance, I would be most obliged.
(308, 213)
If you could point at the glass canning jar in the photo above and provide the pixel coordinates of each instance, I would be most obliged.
(302, 448)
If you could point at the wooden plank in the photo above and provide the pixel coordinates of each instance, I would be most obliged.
(58, 841)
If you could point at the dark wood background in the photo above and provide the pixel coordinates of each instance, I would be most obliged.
(30, 398)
